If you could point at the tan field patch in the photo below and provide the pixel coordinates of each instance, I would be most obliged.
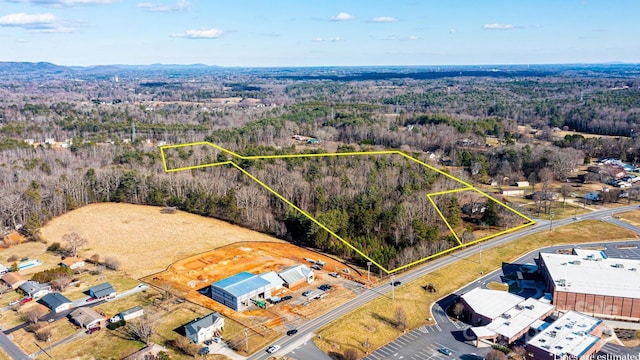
(142, 238)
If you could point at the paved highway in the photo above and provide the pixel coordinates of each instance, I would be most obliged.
(289, 343)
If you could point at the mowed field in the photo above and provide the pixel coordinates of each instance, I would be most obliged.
(142, 238)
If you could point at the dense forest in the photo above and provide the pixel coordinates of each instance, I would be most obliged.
(65, 143)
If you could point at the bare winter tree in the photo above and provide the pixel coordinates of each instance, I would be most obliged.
(73, 241)
(401, 318)
(140, 329)
(495, 355)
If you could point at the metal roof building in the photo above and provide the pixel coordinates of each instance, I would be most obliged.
(238, 290)
(296, 275)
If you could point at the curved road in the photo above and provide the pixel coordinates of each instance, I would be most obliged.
(306, 330)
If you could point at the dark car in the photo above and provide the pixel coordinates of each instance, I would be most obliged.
(396, 283)
(292, 332)
(325, 287)
(93, 329)
(445, 351)
(285, 298)
(204, 350)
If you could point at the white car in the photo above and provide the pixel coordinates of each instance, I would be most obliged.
(273, 348)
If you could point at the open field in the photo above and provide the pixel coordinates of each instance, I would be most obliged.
(143, 239)
(376, 321)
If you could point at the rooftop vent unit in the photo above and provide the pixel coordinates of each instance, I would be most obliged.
(619, 266)
(633, 269)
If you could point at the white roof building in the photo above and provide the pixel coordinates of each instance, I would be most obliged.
(574, 336)
(593, 273)
(491, 303)
(518, 319)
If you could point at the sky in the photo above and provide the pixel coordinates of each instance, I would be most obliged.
(259, 33)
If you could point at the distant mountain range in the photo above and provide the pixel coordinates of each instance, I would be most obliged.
(40, 70)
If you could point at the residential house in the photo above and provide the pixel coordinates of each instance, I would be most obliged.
(72, 263)
(14, 280)
(35, 289)
(101, 291)
(56, 302)
(204, 328)
(87, 317)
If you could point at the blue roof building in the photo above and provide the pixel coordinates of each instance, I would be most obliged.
(237, 291)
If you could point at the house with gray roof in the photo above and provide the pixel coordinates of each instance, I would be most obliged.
(204, 328)
(103, 290)
(35, 289)
(56, 302)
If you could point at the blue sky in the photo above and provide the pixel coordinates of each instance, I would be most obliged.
(319, 33)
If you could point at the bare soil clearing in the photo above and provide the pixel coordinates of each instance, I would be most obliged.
(142, 238)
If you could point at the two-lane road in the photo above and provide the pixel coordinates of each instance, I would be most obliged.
(306, 330)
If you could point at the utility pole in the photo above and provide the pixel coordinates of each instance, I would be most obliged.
(551, 222)
(368, 271)
(393, 289)
(246, 340)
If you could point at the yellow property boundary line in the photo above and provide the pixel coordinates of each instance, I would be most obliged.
(468, 187)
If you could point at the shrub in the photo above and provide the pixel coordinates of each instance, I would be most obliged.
(43, 335)
(12, 258)
(112, 263)
(115, 325)
(54, 247)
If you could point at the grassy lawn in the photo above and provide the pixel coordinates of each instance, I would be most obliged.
(376, 322)
(59, 330)
(103, 344)
(494, 285)
(632, 217)
(560, 211)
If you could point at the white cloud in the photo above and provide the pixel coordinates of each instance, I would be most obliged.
(402, 38)
(46, 23)
(498, 27)
(384, 19)
(204, 33)
(181, 5)
(60, 3)
(452, 31)
(333, 39)
(343, 16)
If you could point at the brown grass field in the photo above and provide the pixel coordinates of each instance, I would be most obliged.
(143, 239)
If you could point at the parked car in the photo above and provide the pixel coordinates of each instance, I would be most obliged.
(325, 287)
(288, 297)
(396, 283)
(14, 302)
(204, 351)
(316, 267)
(216, 340)
(25, 300)
(292, 332)
(445, 351)
(273, 348)
(93, 329)
(306, 293)
(335, 275)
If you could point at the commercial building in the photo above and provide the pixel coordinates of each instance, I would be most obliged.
(296, 276)
(590, 282)
(238, 290)
(573, 336)
(502, 317)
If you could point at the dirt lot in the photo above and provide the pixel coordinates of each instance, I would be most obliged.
(142, 238)
(187, 276)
